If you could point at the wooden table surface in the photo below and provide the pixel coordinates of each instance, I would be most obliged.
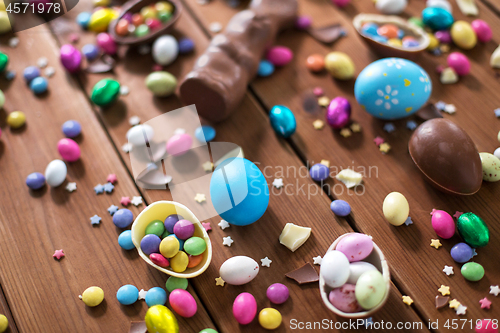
(40, 294)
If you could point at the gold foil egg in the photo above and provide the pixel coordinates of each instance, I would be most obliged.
(159, 319)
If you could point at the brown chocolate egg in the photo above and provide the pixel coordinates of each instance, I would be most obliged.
(447, 156)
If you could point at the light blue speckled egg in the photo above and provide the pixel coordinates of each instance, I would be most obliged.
(392, 88)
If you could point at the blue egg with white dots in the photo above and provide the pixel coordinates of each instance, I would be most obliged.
(266, 68)
(83, 19)
(30, 73)
(340, 207)
(127, 294)
(39, 85)
(156, 296)
(283, 120)
(35, 180)
(90, 51)
(72, 128)
(125, 240)
(204, 133)
(392, 88)
(186, 45)
(123, 218)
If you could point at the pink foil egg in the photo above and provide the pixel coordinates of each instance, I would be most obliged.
(69, 150)
(482, 30)
(183, 303)
(71, 58)
(443, 224)
(443, 36)
(106, 43)
(355, 246)
(159, 260)
(344, 299)
(459, 63)
(179, 144)
(279, 55)
(341, 3)
(244, 308)
(338, 113)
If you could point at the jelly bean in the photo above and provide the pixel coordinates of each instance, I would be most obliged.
(277, 293)
(459, 63)
(169, 247)
(83, 19)
(179, 262)
(270, 318)
(161, 83)
(165, 234)
(30, 73)
(165, 50)
(370, 289)
(153, 23)
(205, 133)
(156, 228)
(170, 221)
(395, 208)
(121, 27)
(266, 68)
(369, 29)
(100, 19)
(462, 35)
(176, 283)
(123, 218)
(179, 144)
(71, 128)
(282, 121)
(93, 296)
(55, 173)
(90, 51)
(194, 260)
(315, 63)
(186, 45)
(183, 303)
(125, 240)
(148, 12)
(69, 150)
(339, 65)
(461, 252)
(388, 30)
(279, 55)
(127, 294)
(105, 92)
(156, 296)
(164, 6)
(443, 36)
(159, 260)
(142, 30)
(482, 30)
(395, 42)
(39, 85)
(340, 207)
(443, 224)
(473, 229)
(137, 19)
(71, 58)
(106, 43)
(319, 172)
(150, 244)
(16, 119)
(244, 308)
(472, 271)
(195, 246)
(35, 180)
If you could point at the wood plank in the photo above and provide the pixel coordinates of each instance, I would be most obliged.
(43, 292)
(415, 265)
(250, 130)
(5, 310)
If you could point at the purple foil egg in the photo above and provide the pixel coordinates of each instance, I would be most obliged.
(338, 113)
(71, 58)
(443, 36)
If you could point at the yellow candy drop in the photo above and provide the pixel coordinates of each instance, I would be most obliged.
(93, 296)
(148, 12)
(269, 318)
(396, 208)
(162, 6)
(159, 319)
(339, 65)
(180, 262)
(4, 323)
(462, 35)
(169, 246)
(100, 19)
(16, 119)
(433, 42)
(395, 42)
(101, 3)
(4, 22)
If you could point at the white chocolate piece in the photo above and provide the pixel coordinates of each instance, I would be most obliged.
(349, 177)
(495, 58)
(468, 7)
(293, 236)
(448, 76)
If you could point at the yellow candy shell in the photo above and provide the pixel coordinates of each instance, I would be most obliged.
(180, 262)
(396, 208)
(169, 246)
(339, 65)
(270, 318)
(93, 296)
(4, 323)
(159, 319)
(462, 35)
(100, 19)
(16, 119)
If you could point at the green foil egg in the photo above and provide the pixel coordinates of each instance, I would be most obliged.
(473, 230)
(370, 289)
(472, 271)
(4, 60)
(105, 92)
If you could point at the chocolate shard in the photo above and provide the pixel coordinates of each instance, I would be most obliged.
(441, 301)
(304, 274)
(101, 65)
(428, 111)
(310, 102)
(138, 327)
(327, 34)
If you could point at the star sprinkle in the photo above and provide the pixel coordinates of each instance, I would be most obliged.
(219, 282)
(355, 127)
(325, 162)
(378, 140)
(385, 147)
(389, 127)
(112, 210)
(436, 243)
(454, 304)
(448, 270)
(127, 148)
(323, 101)
(227, 241)
(317, 260)
(457, 214)
(208, 166)
(278, 182)
(497, 112)
(461, 309)
(407, 300)
(408, 221)
(207, 226)
(200, 197)
(444, 290)
(134, 120)
(215, 27)
(345, 132)
(42, 62)
(266, 262)
(136, 200)
(108, 187)
(95, 220)
(124, 90)
(98, 189)
(485, 303)
(125, 201)
(58, 254)
(432, 212)
(70, 187)
(111, 178)
(494, 290)
(411, 125)
(440, 105)
(318, 124)
(223, 224)
(142, 294)
(14, 42)
(318, 91)
(450, 108)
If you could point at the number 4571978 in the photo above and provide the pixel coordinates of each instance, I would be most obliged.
(461, 324)
(40, 8)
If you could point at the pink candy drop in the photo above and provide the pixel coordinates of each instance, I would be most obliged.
(106, 43)
(69, 150)
(179, 144)
(279, 55)
(244, 308)
(183, 303)
(159, 260)
(482, 30)
(459, 63)
(71, 58)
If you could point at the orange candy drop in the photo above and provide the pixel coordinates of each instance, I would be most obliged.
(315, 63)
(122, 27)
(194, 260)
(388, 30)
(137, 19)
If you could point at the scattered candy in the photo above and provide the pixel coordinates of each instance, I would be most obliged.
(183, 303)
(339, 65)
(223, 224)
(304, 274)
(485, 303)
(319, 172)
(71, 58)
(266, 262)
(179, 144)
(277, 293)
(495, 290)
(58, 254)
(123, 218)
(161, 83)
(55, 173)
(340, 207)
(142, 294)
(270, 318)
(318, 124)
(35, 181)
(467, 7)
(16, 119)
(69, 150)
(461, 309)
(278, 183)
(186, 45)
(215, 27)
(459, 63)
(105, 92)
(436, 243)
(448, 76)
(495, 58)
(136, 200)
(441, 301)
(437, 18)
(338, 113)
(156, 296)
(219, 282)
(444, 290)
(448, 270)
(349, 177)
(176, 283)
(411, 125)
(389, 127)
(317, 260)
(407, 300)
(71, 128)
(95, 220)
(266, 68)
(165, 50)
(315, 63)
(491, 167)
(125, 240)
(99, 189)
(472, 271)
(127, 294)
(378, 140)
(443, 224)
(463, 35)
(205, 133)
(200, 197)
(125, 201)
(160, 315)
(92, 296)
(279, 55)
(323, 101)
(408, 221)
(293, 236)
(70, 187)
(227, 241)
(30, 73)
(473, 230)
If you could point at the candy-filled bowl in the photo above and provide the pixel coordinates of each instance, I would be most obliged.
(358, 285)
(159, 211)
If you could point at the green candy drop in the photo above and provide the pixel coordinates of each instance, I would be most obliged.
(176, 283)
(195, 246)
(473, 230)
(472, 271)
(208, 330)
(4, 60)
(142, 30)
(105, 92)
(156, 228)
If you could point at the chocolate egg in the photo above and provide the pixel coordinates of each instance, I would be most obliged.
(447, 156)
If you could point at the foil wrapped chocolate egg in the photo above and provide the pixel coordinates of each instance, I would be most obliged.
(447, 156)
(338, 113)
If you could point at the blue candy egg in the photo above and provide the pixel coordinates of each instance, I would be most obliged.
(127, 294)
(204, 133)
(83, 19)
(90, 51)
(319, 172)
(186, 45)
(266, 68)
(156, 296)
(30, 73)
(71, 128)
(437, 18)
(340, 207)
(125, 240)
(392, 88)
(35, 180)
(369, 29)
(283, 121)
(380, 39)
(123, 218)
(239, 191)
(181, 242)
(39, 85)
(461, 252)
